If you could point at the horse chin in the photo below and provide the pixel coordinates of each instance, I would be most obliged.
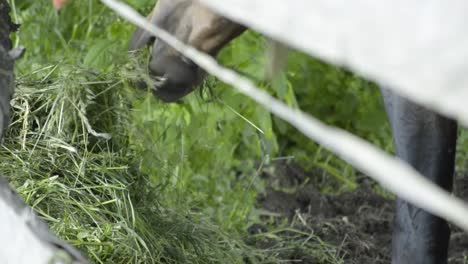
(171, 95)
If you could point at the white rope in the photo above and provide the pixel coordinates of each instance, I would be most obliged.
(392, 173)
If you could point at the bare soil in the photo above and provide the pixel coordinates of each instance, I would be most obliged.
(357, 223)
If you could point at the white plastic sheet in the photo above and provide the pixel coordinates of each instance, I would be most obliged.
(25, 238)
(419, 48)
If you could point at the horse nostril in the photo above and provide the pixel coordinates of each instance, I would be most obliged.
(156, 70)
(189, 62)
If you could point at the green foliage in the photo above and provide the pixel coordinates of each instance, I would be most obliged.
(139, 197)
(462, 153)
(338, 98)
(160, 190)
(332, 94)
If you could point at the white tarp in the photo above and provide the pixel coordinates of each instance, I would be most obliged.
(419, 47)
(25, 238)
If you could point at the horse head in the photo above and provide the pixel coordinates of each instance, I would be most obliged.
(175, 75)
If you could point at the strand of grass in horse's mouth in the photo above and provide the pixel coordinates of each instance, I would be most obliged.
(158, 82)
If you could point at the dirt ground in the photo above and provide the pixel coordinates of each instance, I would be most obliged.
(357, 223)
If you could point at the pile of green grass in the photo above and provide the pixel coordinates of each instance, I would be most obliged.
(88, 187)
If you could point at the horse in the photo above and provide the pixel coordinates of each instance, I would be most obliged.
(424, 139)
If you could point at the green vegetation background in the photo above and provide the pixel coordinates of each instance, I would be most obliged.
(176, 183)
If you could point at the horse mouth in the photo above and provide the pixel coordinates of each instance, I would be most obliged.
(168, 90)
(158, 81)
(168, 96)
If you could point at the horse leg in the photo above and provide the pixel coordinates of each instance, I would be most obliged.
(427, 141)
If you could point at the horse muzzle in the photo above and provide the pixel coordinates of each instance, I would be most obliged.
(174, 77)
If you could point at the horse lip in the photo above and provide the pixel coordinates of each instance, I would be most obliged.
(158, 81)
(169, 95)
(188, 62)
